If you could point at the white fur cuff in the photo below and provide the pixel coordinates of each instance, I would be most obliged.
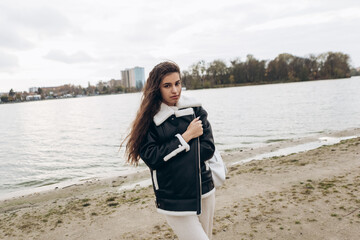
(183, 142)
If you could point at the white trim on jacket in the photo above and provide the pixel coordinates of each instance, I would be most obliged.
(185, 105)
(184, 146)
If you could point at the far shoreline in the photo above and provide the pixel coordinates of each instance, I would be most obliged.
(204, 88)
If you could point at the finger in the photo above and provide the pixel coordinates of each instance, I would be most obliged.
(195, 119)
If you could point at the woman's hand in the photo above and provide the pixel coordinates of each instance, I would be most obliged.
(194, 130)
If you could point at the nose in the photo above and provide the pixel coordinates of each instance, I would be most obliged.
(174, 89)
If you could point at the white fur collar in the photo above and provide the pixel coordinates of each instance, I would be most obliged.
(165, 111)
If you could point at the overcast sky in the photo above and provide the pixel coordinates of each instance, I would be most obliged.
(51, 43)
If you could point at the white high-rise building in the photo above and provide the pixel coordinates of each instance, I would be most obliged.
(133, 77)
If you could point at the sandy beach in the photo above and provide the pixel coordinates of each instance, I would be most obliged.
(308, 195)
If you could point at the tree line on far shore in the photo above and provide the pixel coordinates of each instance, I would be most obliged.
(284, 68)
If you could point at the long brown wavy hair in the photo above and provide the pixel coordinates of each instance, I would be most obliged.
(149, 106)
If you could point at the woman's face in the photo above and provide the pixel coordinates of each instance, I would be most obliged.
(170, 88)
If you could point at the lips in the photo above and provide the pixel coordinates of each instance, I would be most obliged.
(174, 97)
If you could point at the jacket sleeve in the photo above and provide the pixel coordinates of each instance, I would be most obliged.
(207, 146)
(156, 154)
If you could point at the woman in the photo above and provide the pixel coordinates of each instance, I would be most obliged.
(172, 135)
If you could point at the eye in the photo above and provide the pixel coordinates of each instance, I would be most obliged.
(166, 85)
(177, 83)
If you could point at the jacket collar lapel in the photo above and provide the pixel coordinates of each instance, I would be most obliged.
(165, 111)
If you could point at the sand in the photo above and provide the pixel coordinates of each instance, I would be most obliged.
(308, 195)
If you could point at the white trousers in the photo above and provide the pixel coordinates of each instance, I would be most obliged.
(195, 227)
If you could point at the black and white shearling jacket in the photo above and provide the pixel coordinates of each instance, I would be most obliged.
(179, 173)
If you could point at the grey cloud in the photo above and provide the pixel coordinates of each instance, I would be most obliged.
(8, 62)
(61, 56)
(42, 20)
(46, 20)
(10, 39)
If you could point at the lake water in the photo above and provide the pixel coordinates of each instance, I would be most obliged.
(58, 141)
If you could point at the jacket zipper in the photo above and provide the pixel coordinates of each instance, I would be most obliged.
(198, 185)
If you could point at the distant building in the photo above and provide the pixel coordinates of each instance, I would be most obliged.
(33, 89)
(51, 89)
(127, 78)
(115, 83)
(139, 77)
(33, 97)
(133, 77)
